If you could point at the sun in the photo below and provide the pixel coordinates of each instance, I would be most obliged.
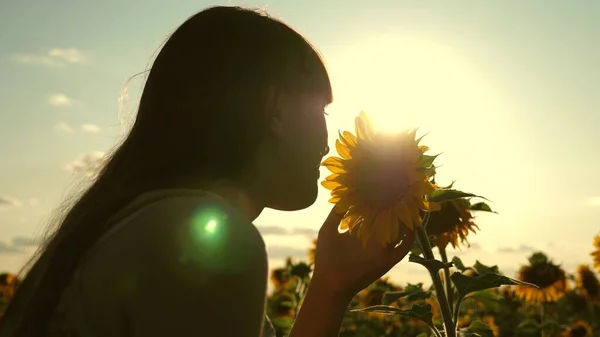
(407, 80)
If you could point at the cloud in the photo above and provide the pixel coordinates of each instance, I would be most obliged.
(70, 55)
(60, 100)
(281, 230)
(63, 128)
(282, 252)
(595, 201)
(18, 244)
(6, 248)
(91, 128)
(87, 164)
(519, 249)
(7, 202)
(55, 57)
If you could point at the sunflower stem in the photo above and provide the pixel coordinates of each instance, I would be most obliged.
(449, 289)
(457, 312)
(437, 284)
(435, 331)
(542, 319)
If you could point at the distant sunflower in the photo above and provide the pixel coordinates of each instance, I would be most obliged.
(578, 329)
(452, 223)
(380, 182)
(8, 285)
(596, 253)
(280, 278)
(491, 323)
(312, 251)
(549, 277)
(588, 282)
(373, 294)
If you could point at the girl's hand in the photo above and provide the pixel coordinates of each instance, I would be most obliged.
(343, 266)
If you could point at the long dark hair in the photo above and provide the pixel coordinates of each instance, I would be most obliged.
(201, 114)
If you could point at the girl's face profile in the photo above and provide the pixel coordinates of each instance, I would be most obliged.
(301, 145)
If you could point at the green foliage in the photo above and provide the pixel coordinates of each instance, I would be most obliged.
(457, 262)
(432, 265)
(447, 194)
(420, 312)
(480, 329)
(482, 207)
(466, 285)
(412, 292)
(483, 269)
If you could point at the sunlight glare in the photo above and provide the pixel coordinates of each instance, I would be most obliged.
(407, 82)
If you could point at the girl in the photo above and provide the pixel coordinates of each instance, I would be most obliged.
(231, 121)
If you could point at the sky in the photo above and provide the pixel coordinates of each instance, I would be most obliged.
(505, 90)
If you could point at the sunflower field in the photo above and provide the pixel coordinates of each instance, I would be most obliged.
(564, 303)
(567, 303)
(384, 185)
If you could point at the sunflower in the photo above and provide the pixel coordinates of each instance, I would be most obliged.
(549, 277)
(596, 253)
(380, 182)
(490, 321)
(588, 282)
(8, 286)
(578, 329)
(452, 223)
(280, 279)
(373, 294)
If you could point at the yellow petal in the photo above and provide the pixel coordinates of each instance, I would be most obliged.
(364, 128)
(404, 215)
(331, 184)
(393, 228)
(333, 162)
(352, 218)
(347, 223)
(342, 150)
(349, 139)
(431, 206)
(425, 187)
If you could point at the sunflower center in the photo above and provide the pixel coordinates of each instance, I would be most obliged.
(383, 181)
(542, 275)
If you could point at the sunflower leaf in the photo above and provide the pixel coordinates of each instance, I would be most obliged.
(283, 324)
(479, 328)
(481, 207)
(529, 324)
(427, 161)
(483, 269)
(466, 285)
(457, 262)
(432, 265)
(416, 250)
(420, 312)
(449, 186)
(486, 298)
(447, 194)
(412, 292)
(301, 270)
